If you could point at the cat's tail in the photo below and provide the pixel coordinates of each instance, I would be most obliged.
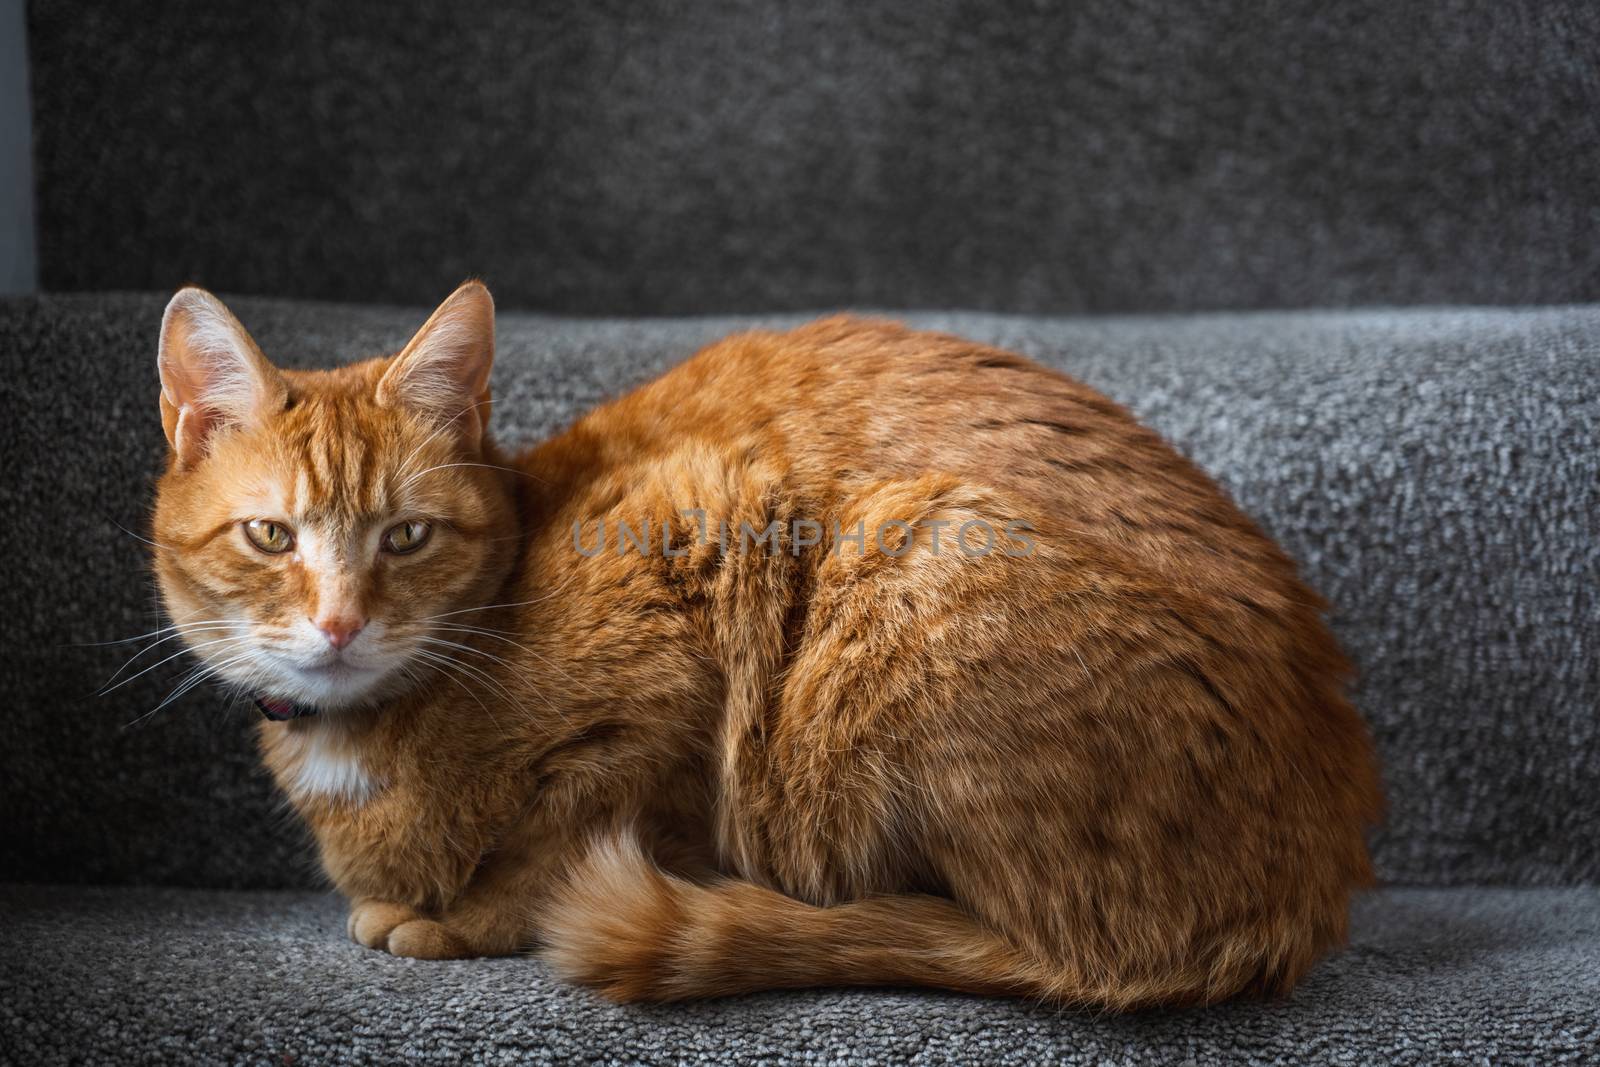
(635, 932)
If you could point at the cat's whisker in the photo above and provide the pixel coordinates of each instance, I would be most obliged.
(247, 686)
(154, 644)
(190, 681)
(522, 673)
(442, 428)
(474, 672)
(169, 659)
(479, 672)
(487, 466)
(426, 441)
(557, 591)
(490, 607)
(468, 648)
(487, 631)
(184, 684)
(437, 664)
(515, 669)
(141, 637)
(199, 673)
(552, 664)
(445, 665)
(193, 678)
(139, 537)
(234, 660)
(555, 666)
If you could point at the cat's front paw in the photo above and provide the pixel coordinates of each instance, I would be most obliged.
(425, 939)
(372, 921)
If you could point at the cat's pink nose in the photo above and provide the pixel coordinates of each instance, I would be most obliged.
(340, 631)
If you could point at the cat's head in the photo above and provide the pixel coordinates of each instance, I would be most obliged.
(319, 531)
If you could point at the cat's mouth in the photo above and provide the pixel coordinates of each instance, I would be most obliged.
(299, 690)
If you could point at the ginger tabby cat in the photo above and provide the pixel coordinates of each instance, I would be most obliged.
(1003, 695)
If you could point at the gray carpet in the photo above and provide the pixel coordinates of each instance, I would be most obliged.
(624, 158)
(1436, 472)
(154, 976)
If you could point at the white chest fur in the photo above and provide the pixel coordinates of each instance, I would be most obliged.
(319, 763)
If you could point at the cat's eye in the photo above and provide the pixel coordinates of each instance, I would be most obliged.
(270, 537)
(406, 536)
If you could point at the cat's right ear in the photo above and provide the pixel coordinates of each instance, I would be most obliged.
(213, 377)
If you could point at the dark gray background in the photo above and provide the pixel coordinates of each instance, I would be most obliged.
(619, 158)
(19, 268)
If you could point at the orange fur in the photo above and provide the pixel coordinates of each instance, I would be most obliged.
(1113, 767)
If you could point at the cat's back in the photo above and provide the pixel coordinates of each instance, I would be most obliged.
(877, 397)
(846, 401)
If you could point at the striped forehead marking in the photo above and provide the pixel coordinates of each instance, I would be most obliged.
(338, 472)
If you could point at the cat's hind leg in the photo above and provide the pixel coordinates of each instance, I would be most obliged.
(821, 813)
(825, 796)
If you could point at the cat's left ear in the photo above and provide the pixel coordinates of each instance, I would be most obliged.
(444, 371)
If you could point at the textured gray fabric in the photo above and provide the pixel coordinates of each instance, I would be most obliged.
(158, 976)
(625, 158)
(1437, 472)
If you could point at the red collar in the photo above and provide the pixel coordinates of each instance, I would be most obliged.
(283, 710)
